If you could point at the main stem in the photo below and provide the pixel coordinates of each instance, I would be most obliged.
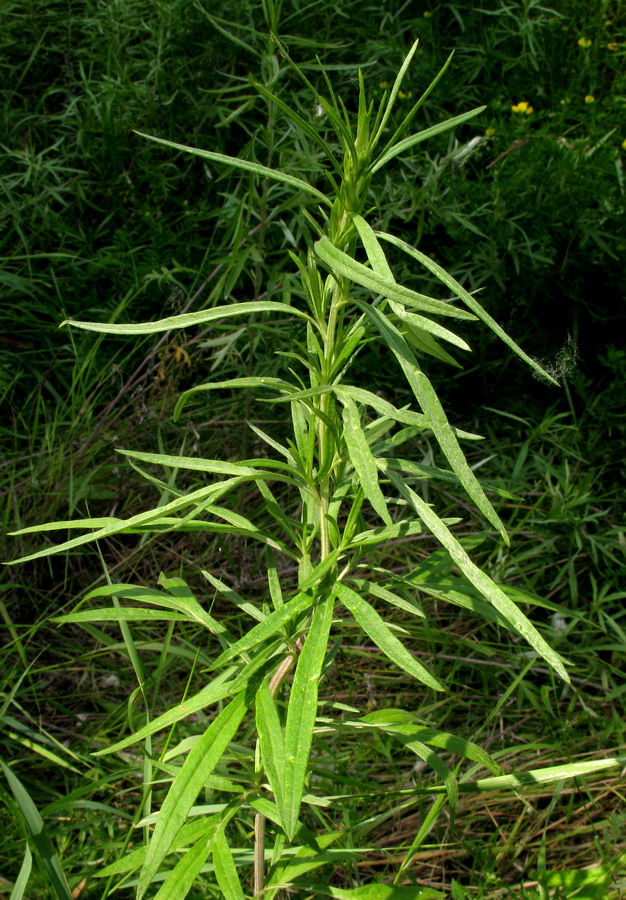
(328, 329)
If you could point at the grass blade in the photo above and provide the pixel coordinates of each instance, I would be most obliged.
(42, 845)
(21, 881)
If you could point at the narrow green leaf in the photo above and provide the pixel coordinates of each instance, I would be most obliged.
(187, 320)
(181, 879)
(266, 629)
(404, 124)
(428, 400)
(225, 870)
(394, 93)
(434, 328)
(384, 719)
(41, 843)
(406, 416)
(305, 859)
(362, 459)
(388, 533)
(389, 596)
(188, 835)
(290, 112)
(21, 882)
(425, 343)
(121, 614)
(272, 741)
(244, 164)
(214, 466)
(469, 301)
(342, 264)
(247, 382)
(536, 777)
(420, 136)
(378, 262)
(116, 526)
(302, 711)
(200, 763)
(385, 892)
(376, 629)
(233, 597)
(488, 588)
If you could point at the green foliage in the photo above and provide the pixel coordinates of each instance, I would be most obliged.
(102, 224)
(331, 460)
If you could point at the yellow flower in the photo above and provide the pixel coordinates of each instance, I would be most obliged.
(584, 42)
(489, 132)
(384, 84)
(402, 95)
(522, 107)
(590, 98)
(427, 14)
(624, 144)
(613, 46)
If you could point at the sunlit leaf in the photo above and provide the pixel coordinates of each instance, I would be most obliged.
(201, 761)
(244, 164)
(302, 711)
(374, 626)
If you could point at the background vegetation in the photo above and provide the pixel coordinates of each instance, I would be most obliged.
(526, 203)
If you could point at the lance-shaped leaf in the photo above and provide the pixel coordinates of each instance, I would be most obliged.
(536, 777)
(265, 629)
(406, 416)
(375, 628)
(382, 892)
(202, 759)
(420, 136)
(467, 298)
(488, 588)
(187, 320)
(225, 870)
(302, 711)
(244, 164)
(362, 458)
(272, 741)
(183, 876)
(437, 419)
(121, 614)
(116, 526)
(380, 265)
(401, 722)
(342, 264)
